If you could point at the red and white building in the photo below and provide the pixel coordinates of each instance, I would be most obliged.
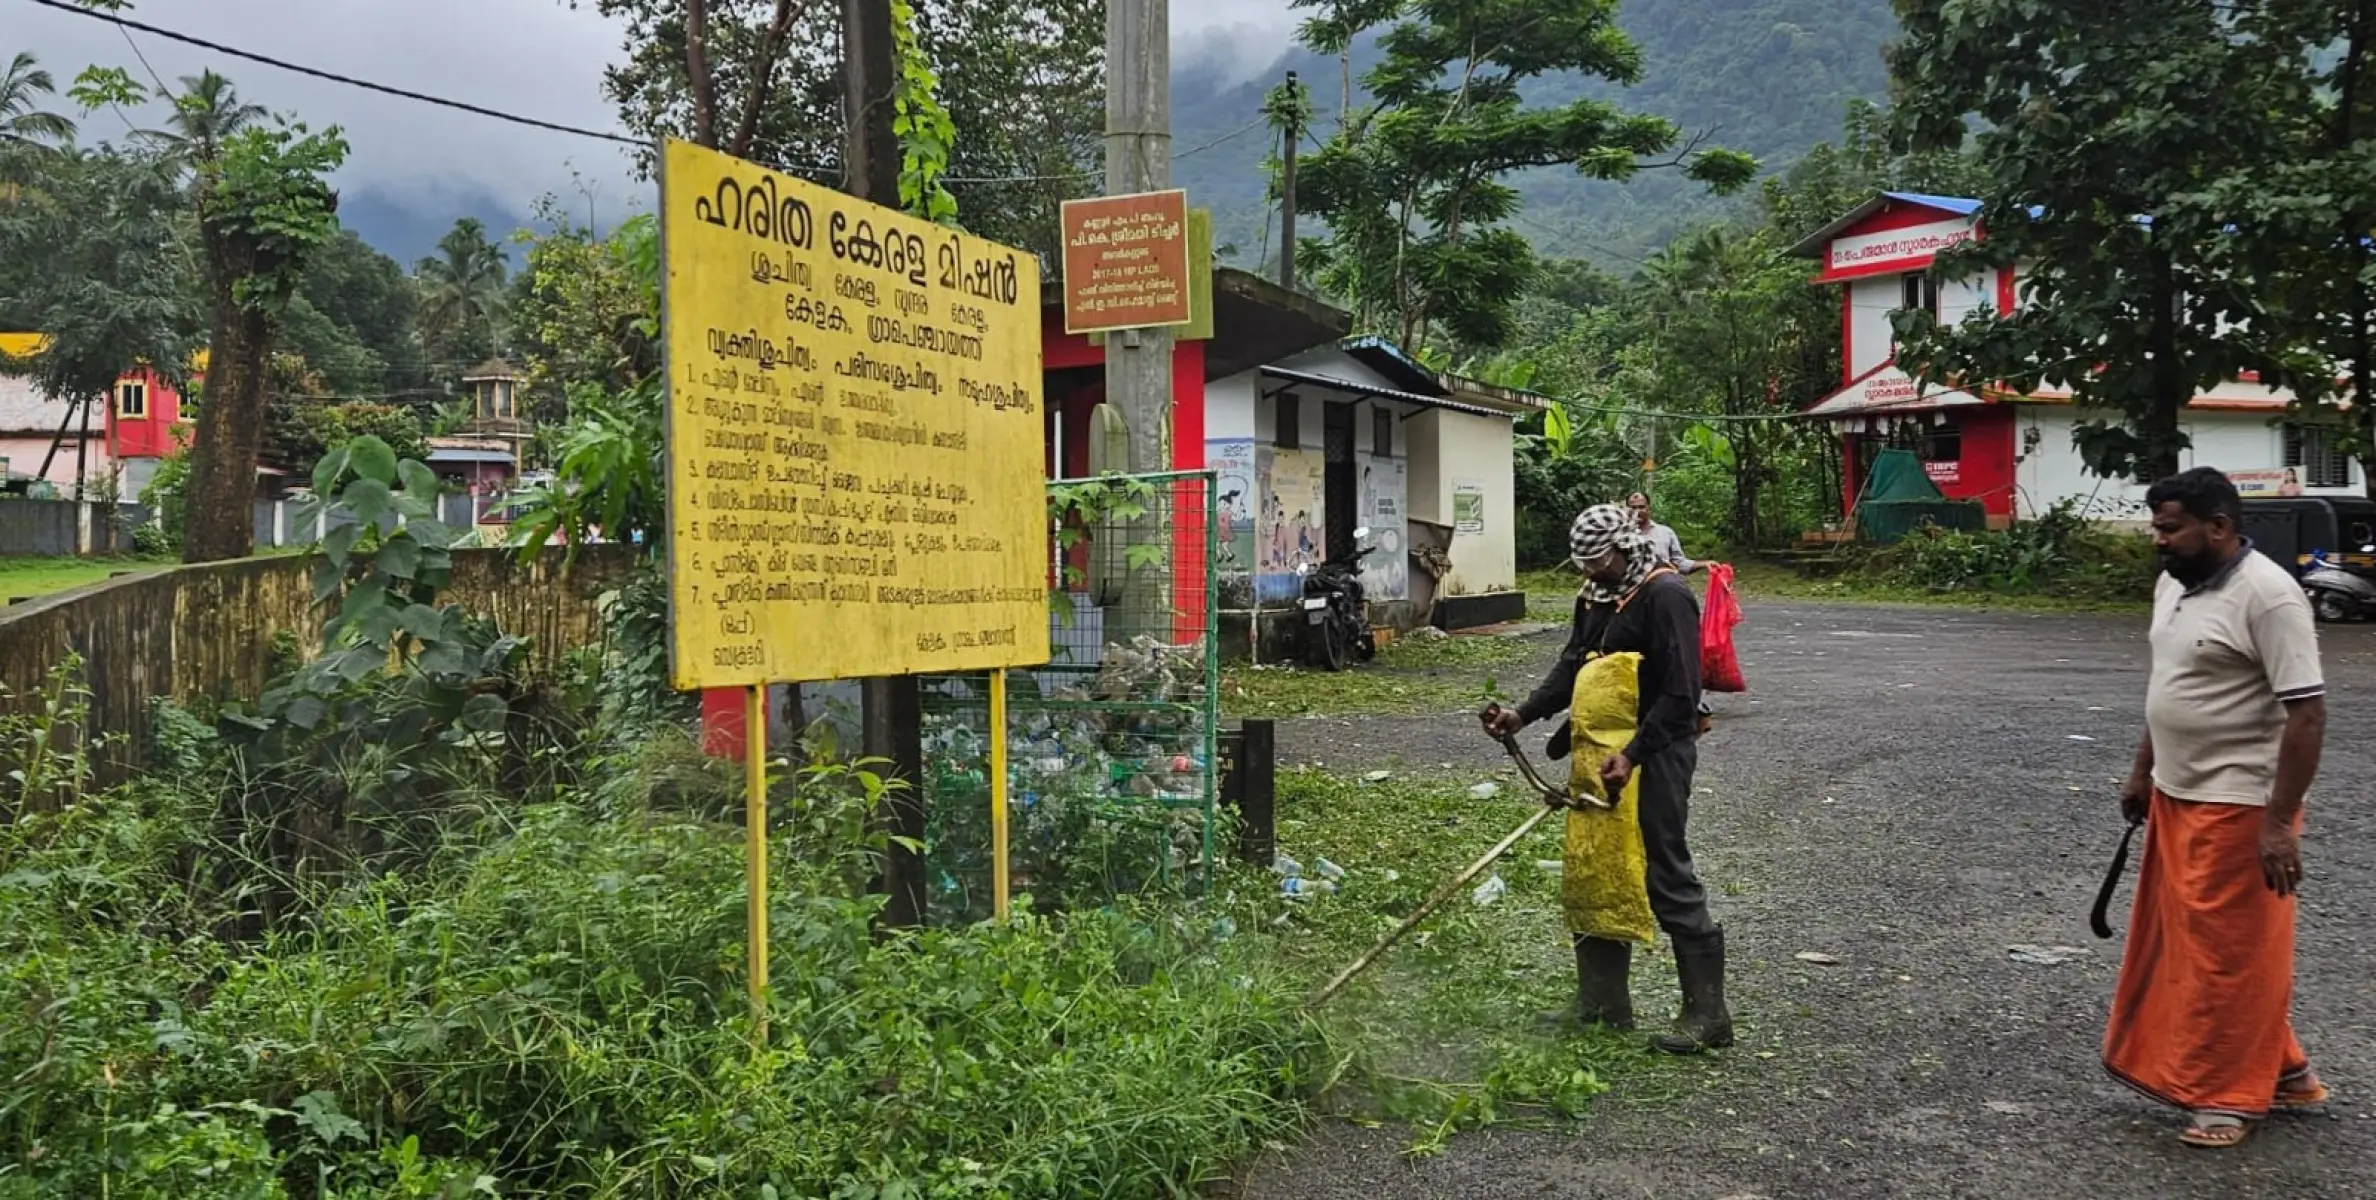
(127, 437)
(2013, 453)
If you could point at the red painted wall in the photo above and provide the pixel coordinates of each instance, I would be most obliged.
(1897, 214)
(1985, 472)
(151, 436)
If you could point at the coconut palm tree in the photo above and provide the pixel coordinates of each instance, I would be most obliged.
(462, 287)
(21, 122)
(205, 113)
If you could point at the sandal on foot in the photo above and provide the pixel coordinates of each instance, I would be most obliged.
(2215, 1131)
(2303, 1091)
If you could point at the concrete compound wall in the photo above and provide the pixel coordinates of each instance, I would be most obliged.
(61, 528)
(208, 630)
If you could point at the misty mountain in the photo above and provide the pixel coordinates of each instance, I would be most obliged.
(406, 226)
(1770, 77)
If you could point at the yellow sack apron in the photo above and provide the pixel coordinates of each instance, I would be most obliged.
(1604, 885)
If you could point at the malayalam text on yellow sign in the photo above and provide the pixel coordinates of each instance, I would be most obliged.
(855, 463)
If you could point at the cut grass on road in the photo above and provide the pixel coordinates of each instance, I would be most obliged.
(1444, 1031)
(1551, 593)
(25, 578)
(1412, 675)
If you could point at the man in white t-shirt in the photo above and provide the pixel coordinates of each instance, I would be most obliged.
(1665, 545)
(2235, 712)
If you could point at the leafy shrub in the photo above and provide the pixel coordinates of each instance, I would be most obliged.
(554, 1005)
(2059, 554)
(166, 496)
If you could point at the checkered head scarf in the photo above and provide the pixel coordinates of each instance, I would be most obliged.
(1606, 527)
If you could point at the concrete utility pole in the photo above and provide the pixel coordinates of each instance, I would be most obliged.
(1293, 134)
(893, 725)
(1138, 159)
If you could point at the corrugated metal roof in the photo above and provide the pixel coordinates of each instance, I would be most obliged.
(1959, 205)
(23, 409)
(1811, 244)
(456, 455)
(1369, 391)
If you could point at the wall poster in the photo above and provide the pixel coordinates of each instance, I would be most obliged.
(1385, 574)
(1290, 526)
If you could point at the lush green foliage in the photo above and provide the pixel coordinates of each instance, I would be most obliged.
(1766, 77)
(552, 1004)
(921, 124)
(595, 317)
(305, 428)
(1413, 186)
(2100, 126)
(2058, 554)
(1022, 81)
(96, 252)
(462, 298)
(24, 123)
(268, 202)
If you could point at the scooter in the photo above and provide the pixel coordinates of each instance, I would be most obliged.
(1336, 609)
(2338, 593)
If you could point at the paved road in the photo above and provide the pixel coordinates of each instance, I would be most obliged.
(1913, 791)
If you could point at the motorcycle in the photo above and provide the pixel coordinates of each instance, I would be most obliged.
(2340, 590)
(1336, 612)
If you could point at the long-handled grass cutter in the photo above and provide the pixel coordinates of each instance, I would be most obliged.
(1554, 799)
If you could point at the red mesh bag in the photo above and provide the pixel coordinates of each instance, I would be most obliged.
(1720, 668)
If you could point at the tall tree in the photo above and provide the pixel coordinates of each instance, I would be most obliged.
(264, 208)
(206, 113)
(1730, 322)
(1412, 188)
(462, 290)
(96, 258)
(2298, 222)
(368, 299)
(23, 122)
(2100, 124)
(1023, 81)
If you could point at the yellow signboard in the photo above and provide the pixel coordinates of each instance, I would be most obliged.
(856, 481)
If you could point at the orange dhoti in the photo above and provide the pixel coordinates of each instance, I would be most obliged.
(2200, 1017)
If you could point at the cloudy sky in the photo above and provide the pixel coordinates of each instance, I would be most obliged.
(538, 58)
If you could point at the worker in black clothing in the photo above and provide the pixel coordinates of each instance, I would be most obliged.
(1632, 602)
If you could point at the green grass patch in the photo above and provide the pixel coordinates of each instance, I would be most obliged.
(25, 578)
(1444, 1032)
(553, 1005)
(1409, 676)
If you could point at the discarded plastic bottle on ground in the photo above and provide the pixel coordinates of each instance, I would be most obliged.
(1296, 885)
(1286, 866)
(1489, 891)
(1327, 870)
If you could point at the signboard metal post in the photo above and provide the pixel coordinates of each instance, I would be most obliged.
(998, 795)
(755, 846)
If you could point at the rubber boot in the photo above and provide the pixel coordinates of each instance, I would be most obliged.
(1706, 1024)
(1603, 994)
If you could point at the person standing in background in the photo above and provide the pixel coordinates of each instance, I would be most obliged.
(1663, 542)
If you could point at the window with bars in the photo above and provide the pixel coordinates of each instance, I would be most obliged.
(2317, 452)
(132, 400)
